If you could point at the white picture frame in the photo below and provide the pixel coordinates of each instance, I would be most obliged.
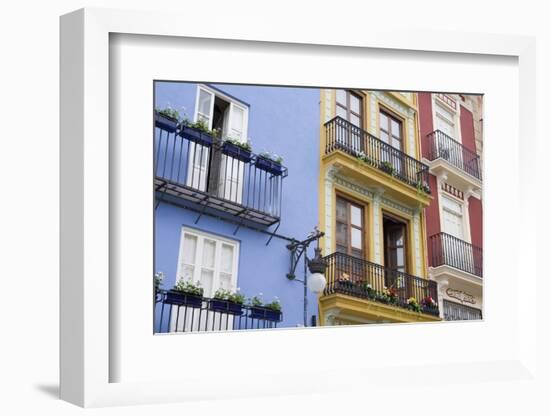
(88, 359)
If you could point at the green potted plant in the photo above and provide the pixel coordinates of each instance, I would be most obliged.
(167, 119)
(227, 301)
(238, 150)
(387, 167)
(270, 162)
(185, 292)
(197, 132)
(269, 311)
(413, 305)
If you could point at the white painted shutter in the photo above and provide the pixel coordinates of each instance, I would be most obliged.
(232, 169)
(452, 218)
(197, 175)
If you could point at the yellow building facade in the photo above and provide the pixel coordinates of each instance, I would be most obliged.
(373, 190)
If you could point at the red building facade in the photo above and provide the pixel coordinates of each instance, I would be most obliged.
(451, 142)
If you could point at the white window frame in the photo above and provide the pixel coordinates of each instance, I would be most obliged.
(232, 102)
(201, 235)
(464, 214)
(437, 102)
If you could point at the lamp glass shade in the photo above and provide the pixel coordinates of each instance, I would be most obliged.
(316, 282)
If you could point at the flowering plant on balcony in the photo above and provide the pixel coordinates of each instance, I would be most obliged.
(270, 311)
(169, 112)
(413, 304)
(272, 156)
(235, 297)
(158, 278)
(362, 156)
(369, 291)
(389, 295)
(429, 302)
(243, 145)
(387, 167)
(188, 287)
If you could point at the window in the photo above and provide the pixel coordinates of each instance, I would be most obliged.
(349, 106)
(209, 259)
(445, 121)
(391, 130)
(212, 261)
(452, 217)
(230, 117)
(395, 250)
(350, 228)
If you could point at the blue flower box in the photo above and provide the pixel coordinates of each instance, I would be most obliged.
(269, 165)
(236, 152)
(225, 306)
(166, 123)
(259, 312)
(173, 297)
(196, 136)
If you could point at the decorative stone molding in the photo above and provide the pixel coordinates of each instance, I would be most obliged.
(395, 205)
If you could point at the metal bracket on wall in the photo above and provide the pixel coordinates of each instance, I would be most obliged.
(273, 233)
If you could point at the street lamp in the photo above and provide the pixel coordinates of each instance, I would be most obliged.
(317, 266)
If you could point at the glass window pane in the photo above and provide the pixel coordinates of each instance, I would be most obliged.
(227, 258)
(384, 137)
(395, 128)
(383, 122)
(341, 233)
(208, 253)
(341, 97)
(341, 112)
(396, 143)
(400, 257)
(225, 282)
(356, 216)
(207, 280)
(355, 104)
(356, 238)
(205, 101)
(189, 249)
(186, 272)
(356, 121)
(341, 210)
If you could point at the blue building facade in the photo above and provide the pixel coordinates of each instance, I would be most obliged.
(215, 209)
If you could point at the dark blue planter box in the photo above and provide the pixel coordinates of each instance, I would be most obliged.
(237, 152)
(269, 165)
(165, 123)
(174, 297)
(225, 306)
(258, 312)
(196, 136)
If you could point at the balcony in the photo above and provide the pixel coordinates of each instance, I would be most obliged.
(447, 154)
(384, 162)
(359, 278)
(197, 314)
(203, 173)
(447, 250)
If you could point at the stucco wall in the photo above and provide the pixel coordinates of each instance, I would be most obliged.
(281, 120)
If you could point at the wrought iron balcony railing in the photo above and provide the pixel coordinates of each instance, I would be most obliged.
(446, 249)
(187, 313)
(357, 277)
(440, 145)
(205, 171)
(345, 136)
